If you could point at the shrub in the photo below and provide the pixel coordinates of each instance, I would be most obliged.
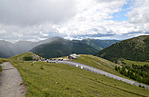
(41, 68)
(139, 85)
(27, 58)
(143, 87)
(1, 61)
(116, 68)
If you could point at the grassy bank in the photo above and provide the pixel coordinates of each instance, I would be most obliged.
(0, 69)
(60, 80)
(128, 62)
(98, 63)
(1, 61)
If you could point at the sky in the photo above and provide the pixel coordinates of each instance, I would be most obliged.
(34, 20)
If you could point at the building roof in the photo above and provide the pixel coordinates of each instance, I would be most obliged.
(74, 55)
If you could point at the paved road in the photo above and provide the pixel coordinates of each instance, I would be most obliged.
(11, 82)
(101, 72)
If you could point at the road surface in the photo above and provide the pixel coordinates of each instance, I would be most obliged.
(11, 83)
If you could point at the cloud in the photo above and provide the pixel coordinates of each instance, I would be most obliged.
(140, 12)
(31, 12)
(73, 19)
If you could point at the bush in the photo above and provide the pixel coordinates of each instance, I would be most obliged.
(143, 87)
(1, 61)
(116, 68)
(27, 58)
(41, 68)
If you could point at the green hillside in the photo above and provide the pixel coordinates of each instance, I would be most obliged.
(61, 48)
(98, 63)
(98, 44)
(129, 62)
(136, 49)
(60, 80)
(135, 70)
(24, 56)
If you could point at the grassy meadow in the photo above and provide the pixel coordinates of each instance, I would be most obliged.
(129, 62)
(60, 80)
(98, 63)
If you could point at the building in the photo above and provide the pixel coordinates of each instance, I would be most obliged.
(72, 56)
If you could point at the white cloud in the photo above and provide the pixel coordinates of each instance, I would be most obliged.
(31, 12)
(140, 12)
(40, 19)
(91, 16)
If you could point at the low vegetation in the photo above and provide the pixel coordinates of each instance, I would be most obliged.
(138, 71)
(129, 62)
(60, 80)
(27, 56)
(1, 61)
(98, 63)
(135, 72)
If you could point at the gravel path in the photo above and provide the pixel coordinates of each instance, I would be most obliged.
(11, 84)
(101, 72)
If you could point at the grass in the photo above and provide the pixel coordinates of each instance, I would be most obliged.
(0, 69)
(98, 63)
(60, 80)
(20, 56)
(1, 61)
(128, 62)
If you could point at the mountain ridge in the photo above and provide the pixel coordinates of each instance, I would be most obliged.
(136, 49)
(62, 47)
(8, 49)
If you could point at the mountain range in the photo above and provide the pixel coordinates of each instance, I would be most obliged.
(8, 49)
(63, 47)
(97, 43)
(87, 46)
(136, 49)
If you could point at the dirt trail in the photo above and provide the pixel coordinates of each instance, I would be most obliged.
(11, 83)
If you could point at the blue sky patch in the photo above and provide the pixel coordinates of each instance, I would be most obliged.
(122, 15)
